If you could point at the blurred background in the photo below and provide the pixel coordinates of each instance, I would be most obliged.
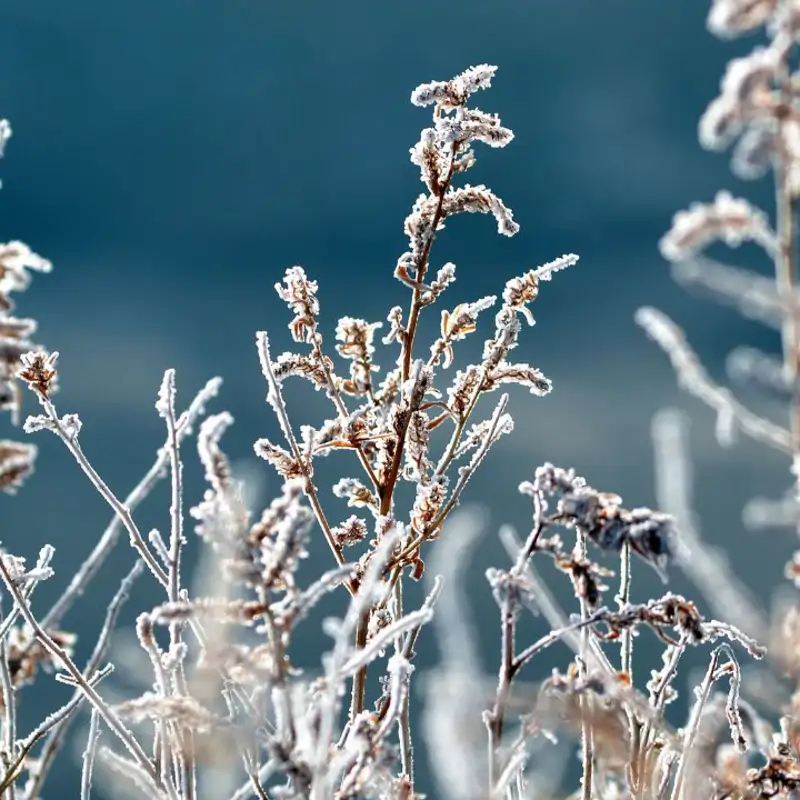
(173, 158)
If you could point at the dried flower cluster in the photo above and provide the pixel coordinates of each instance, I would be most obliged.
(16, 262)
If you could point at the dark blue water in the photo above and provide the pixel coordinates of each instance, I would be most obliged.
(173, 158)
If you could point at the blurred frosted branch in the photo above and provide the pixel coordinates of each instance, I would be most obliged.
(693, 378)
(707, 567)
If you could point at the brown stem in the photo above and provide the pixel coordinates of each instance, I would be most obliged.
(587, 735)
(506, 676)
(386, 491)
(404, 721)
(360, 678)
(342, 409)
(509, 663)
(626, 664)
(411, 331)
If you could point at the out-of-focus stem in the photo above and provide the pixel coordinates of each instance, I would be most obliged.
(626, 664)
(495, 722)
(404, 721)
(786, 275)
(624, 599)
(360, 678)
(587, 779)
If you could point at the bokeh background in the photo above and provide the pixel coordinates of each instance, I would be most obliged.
(173, 158)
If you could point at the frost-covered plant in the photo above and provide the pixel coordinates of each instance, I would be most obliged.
(229, 713)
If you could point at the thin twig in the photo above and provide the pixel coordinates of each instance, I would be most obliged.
(55, 739)
(124, 513)
(105, 545)
(108, 714)
(693, 377)
(587, 741)
(694, 725)
(9, 737)
(185, 738)
(89, 755)
(275, 399)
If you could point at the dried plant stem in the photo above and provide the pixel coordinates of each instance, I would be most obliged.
(550, 609)
(406, 740)
(187, 754)
(466, 474)
(282, 697)
(255, 783)
(657, 703)
(9, 712)
(509, 664)
(357, 694)
(7, 622)
(506, 675)
(89, 754)
(183, 761)
(358, 609)
(336, 395)
(450, 451)
(524, 656)
(694, 725)
(387, 490)
(398, 708)
(587, 778)
(404, 720)
(626, 654)
(258, 788)
(626, 662)
(358, 691)
(416, 304)
(176, 506)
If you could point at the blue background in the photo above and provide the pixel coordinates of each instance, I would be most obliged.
(173, 158)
